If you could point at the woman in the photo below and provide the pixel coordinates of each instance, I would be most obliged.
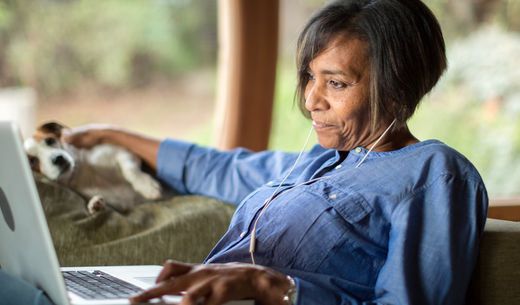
(371, 215)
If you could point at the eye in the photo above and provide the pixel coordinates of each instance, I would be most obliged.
(310, 76)
(50, 141)
(337, 85)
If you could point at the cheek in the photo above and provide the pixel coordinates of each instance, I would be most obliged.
(35, 165)
(36, 168)
(351, 108)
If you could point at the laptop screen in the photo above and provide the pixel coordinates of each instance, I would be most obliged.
(27, 251)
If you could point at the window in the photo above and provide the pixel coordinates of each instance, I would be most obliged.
(145, 65)
(475, 108)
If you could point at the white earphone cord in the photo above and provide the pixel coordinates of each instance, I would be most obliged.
(252, 241)
(267, 203)
(376, 142)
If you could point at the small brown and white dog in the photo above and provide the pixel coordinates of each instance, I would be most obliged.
(104, 174)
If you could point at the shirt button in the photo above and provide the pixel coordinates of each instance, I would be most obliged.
(332, 196)
(270, 183)
(358, 149)
(338, 167)
(243, 234)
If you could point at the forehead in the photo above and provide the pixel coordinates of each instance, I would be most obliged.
(40, 135)
(350, 55)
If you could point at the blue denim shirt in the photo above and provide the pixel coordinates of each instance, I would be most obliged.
(403, 228)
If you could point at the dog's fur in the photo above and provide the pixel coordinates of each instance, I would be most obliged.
(105, 174)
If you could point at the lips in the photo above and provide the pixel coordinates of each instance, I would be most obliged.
(321, 125)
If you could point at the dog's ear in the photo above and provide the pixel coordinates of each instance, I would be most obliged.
(53, 128)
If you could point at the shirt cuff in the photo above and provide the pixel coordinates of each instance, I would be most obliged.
(171, 161)
(297, 293)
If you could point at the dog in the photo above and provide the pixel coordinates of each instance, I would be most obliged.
(105, 174)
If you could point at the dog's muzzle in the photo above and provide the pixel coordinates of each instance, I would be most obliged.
(61, 162)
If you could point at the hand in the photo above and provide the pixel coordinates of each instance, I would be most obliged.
(215, 284)
(86, 136)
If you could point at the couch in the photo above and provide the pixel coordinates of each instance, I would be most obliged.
(186, 228)
(496, 280)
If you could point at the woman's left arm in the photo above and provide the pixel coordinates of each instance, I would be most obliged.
(434, 243)
(218, 283)
(433, 247)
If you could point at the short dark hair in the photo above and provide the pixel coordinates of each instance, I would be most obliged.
(406, 51)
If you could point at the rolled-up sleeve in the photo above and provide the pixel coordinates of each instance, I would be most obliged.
(171, 158)
(225, 175)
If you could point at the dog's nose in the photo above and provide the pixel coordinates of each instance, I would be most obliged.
(59, 160)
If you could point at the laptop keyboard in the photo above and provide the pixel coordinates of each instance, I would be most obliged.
(98, 285)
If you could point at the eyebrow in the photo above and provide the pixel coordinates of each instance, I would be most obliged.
(341, 72)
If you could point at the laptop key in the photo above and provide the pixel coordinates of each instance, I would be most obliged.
(98, 285)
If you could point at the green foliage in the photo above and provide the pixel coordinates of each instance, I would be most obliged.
(58, 46)
(490, 142)
(461, 17)
(289, 127)
(5, 16)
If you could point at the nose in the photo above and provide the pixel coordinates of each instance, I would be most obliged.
(59, 160)
(314, 99)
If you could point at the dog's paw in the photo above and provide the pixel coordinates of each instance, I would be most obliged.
(96, 204)
(148, 187)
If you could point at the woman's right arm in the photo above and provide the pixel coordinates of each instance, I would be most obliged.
(189, 168)
(144, 147)
(225, 175)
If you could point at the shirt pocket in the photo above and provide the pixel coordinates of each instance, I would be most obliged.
(349, 204)
(340, 210)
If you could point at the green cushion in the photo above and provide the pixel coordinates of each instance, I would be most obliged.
(184, 228)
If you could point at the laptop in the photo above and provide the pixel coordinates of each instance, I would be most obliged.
(27, 251)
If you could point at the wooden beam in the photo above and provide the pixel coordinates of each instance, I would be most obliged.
(248, 49)
(505, 208)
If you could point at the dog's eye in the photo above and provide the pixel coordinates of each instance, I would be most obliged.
(50, 141)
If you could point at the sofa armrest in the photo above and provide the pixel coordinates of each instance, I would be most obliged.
(495, 280)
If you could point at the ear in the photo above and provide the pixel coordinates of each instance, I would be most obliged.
(52, 128)
(30, 146)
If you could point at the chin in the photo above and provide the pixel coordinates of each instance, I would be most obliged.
(334, 143)
(327, 143)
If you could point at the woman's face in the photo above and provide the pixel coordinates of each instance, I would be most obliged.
(337, 95)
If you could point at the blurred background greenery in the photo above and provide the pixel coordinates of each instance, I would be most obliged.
(57, 46)
(150, 65)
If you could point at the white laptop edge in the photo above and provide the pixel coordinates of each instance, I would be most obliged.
(17, 183)
(26, 248)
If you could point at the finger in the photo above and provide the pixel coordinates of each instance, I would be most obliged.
(166, 287)
(197, 293)
(172, 268)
